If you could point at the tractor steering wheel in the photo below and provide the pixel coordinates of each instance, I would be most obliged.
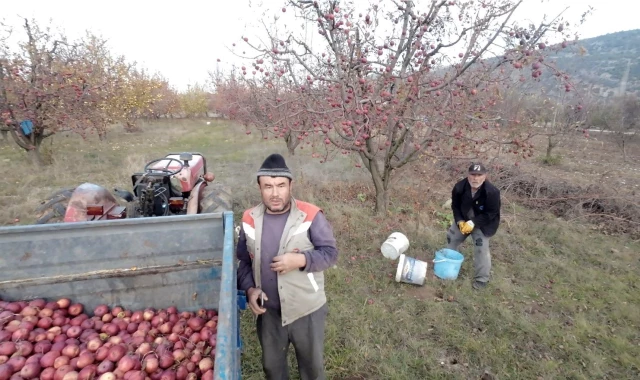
(165, 170)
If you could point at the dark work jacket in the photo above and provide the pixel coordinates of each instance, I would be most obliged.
(485, 204)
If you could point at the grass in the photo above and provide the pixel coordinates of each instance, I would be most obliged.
(551, 160)
(564, 302)
(560, 305)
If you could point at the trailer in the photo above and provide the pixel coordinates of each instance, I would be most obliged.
(185, 261)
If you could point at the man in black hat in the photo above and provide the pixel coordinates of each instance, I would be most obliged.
(284, 247)
(476, 210)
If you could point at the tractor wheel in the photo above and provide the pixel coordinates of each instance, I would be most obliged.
(53, 210)
(216, 198)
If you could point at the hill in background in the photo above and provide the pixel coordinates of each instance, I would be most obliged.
(601, 66)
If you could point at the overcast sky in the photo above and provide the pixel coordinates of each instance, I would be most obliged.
(183, 39)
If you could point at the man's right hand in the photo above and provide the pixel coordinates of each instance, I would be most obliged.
(253, 294)
(461, 225)
(467, 227)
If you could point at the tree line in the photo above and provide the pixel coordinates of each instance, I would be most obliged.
(51, 84)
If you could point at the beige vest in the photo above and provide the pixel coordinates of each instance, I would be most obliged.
(301, 292)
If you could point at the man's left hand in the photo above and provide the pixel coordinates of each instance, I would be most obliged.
(288, 261)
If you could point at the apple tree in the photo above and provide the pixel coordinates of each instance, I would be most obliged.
(45, 88)
(167, 103)
(559, 121)
(621, 117)
(131, 94)
(251, 102)
(398, 81)
(229, 97)
(195, 101)
(100, 65)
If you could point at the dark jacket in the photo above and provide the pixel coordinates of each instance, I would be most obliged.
(486, 206)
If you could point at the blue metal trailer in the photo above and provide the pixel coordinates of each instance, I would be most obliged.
(183, 261)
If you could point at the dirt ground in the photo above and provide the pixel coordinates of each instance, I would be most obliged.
(596, 159)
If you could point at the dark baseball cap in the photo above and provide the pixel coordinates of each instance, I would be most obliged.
(477, 169)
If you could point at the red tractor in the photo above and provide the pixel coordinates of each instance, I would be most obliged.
(177, 184)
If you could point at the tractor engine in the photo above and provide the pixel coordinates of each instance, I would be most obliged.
(155, 199)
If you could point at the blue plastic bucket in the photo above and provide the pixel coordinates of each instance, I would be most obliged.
(447, 264)
(26, 126)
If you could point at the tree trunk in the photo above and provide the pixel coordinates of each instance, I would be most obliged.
(382, 201)
(550, 146)
(31, 144)
(102, 133)
(292, 143)
(35, 154)
(36, 157)
(131, 127)
(624, 151)
(381, 186)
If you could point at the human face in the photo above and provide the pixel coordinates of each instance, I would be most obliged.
(276, 194)
(476, 180)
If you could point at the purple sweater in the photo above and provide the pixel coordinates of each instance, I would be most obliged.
(323, 256)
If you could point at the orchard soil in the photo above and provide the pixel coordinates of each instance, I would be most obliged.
(564, 300)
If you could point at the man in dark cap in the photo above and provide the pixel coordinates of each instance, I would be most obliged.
(476, 210)
(284, 247)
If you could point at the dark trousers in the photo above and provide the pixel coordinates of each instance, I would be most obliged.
(481, 252)
(307, 336)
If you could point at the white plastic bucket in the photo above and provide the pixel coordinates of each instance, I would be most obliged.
(411, 271)
(395, 245)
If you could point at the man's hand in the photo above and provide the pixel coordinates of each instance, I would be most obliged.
(252, 295)
(461, 225)
(467, 227)
(288, 261)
